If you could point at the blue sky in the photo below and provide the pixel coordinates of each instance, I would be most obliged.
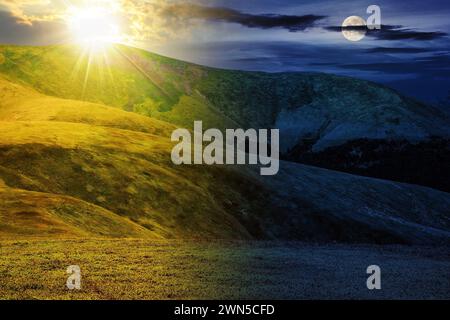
(411, 53)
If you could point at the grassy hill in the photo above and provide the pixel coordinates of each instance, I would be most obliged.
(365, 128)
(72, 166)
(127, 172)
(126, 78)
(26, 214)
(20, 103)
(181, 92)
(102, 155)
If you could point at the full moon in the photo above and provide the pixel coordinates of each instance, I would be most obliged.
(354, 35)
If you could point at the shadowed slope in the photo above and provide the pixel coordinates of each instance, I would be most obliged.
(131, 174)
(319, 204)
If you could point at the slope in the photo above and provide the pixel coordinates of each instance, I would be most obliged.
(61, 154)
(25, 214)
(325, 120)
(21, 103)
(54, 167)
(300, 104)
(130, 174)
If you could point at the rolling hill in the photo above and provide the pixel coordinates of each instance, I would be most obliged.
(26, 214)
(325, 120)
(72, 166)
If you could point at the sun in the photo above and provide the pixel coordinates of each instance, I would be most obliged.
(94, 26)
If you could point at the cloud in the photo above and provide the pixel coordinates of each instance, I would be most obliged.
(389, 32)
(395, 33)
(436, 65)
(38, 33)
(147, 22)
(162, 20)
(398, 50)
(292, 23)
(141, 20)
(19, 9)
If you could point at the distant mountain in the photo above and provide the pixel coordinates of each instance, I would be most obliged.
(325, 120)
(72, 166)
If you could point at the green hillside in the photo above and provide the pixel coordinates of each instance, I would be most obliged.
(112, 162)
(127, 78)
(76, 161)
(176, 91)
(19, 103)
(156, 86)
(179, 92)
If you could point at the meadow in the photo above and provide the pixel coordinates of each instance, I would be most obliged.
(162, 269)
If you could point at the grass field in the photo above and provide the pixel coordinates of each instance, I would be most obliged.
(161, 269)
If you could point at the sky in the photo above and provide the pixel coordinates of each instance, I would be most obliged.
(410, 53)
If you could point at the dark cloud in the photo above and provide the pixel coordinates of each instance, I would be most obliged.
(398, 50)
(389, 32)
(406, 34)
(436, 65)
(39, 33)
(292, 23)
(274, 56)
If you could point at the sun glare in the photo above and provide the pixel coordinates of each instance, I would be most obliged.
(94, 27)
